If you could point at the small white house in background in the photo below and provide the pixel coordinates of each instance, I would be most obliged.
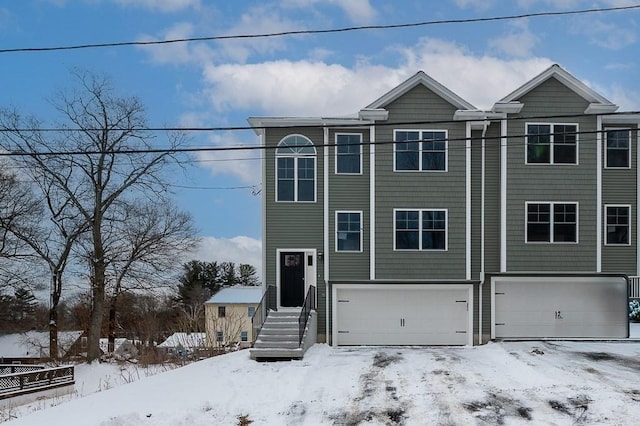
(183, 344)
(34, 345)
(123, 347)
(228, 316)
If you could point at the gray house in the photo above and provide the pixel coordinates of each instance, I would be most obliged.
(423, 220)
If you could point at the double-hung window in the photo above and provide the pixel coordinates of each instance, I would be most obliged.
(618, 153)
(420, 150)
(552, 143)
(420, 229)
(618, 228)
(251, 311)
(552, 222)
(349, 153)
(348, 231)
(296, 169)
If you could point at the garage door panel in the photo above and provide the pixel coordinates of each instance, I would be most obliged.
(576, 307)
(396, 315)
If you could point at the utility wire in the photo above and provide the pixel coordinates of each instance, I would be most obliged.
(320, 31)
(355, 124)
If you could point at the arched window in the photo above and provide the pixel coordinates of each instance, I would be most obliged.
(295, 169)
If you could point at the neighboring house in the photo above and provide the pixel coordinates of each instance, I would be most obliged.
(228, 316)
(183, 344)
(424, 220)
(123, 347)
(33, 346)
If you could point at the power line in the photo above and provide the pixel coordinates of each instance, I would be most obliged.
(320, 31)
(355, 124)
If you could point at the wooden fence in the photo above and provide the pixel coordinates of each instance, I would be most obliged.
(16, 379)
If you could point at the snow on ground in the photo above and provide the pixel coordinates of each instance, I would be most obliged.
(559, 383)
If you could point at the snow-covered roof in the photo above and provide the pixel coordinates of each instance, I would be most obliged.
(35, 344)
(238, 294)
(104, 343)
(186, 340)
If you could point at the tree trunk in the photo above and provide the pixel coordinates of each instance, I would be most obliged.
(53, 331)
(97, 310)
(112, 325)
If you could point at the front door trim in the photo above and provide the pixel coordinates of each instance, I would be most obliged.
(309, 271)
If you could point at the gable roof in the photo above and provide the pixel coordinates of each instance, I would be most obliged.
(186, 340)
(598, 103)
(238, 294)
(35, 344)
(421, 78)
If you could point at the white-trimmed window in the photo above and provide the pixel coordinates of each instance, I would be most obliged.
(420, 229)
(349, 231)
(618, 152)
(618, 224)
(552, 143)
(244, 336)
(552, 222)
(222, 311)
(349, 153)
(296, 169)
(420, 150)
(219, 336)
(251, 311)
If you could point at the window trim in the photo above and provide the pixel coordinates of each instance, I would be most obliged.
(335, 226)
(296, 157)
(551, 222)
(606, 243)
(336, 155)
(244, 336)
(420, 211)
(551, 143)
(219, 336)
(222, 311)
(420, 151)
(606, 149)
(248, 311)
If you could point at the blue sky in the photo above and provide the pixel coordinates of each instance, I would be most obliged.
(222, 83)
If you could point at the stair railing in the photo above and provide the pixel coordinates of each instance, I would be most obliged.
(308, 306)
(262, 310)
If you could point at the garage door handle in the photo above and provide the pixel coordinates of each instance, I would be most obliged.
(342, 301)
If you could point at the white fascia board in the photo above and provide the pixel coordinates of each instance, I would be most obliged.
(565, 78)
(259, 123)
(595, 108)
(508, 107)
(373, 114)
(421, 78)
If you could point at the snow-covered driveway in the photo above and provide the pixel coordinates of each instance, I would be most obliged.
(499, 383)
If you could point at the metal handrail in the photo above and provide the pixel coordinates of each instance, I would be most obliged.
(260, 315)
(308, 306)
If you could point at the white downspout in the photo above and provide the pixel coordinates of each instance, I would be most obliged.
(326, 229)
(482, 234)
(599, 194)
(503, 195)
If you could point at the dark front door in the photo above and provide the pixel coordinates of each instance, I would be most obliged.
(291, 279)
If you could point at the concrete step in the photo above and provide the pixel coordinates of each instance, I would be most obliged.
(271, 353)
(278, 337)
(280, 324)
(289, 344)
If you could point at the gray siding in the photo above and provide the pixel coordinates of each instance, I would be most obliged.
(420, 190)
(562, 183)
(294, 225)
(349, 192)
(619, 186)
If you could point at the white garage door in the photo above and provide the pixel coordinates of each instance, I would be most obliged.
(401, 314)
(560, 307)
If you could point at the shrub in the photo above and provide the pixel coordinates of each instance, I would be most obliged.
(634, 310)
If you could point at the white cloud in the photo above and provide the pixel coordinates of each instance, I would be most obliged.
(316, 88)
(606, 34)
(177, 53)
(358, 11)
(475, 4)
(519, 42)
(161, 5)
(628, 100)
(245, 165)
(240, 249)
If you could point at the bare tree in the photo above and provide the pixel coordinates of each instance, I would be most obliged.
(149, 239)
(102, 158)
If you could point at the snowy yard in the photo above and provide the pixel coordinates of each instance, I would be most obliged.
(559, 383)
